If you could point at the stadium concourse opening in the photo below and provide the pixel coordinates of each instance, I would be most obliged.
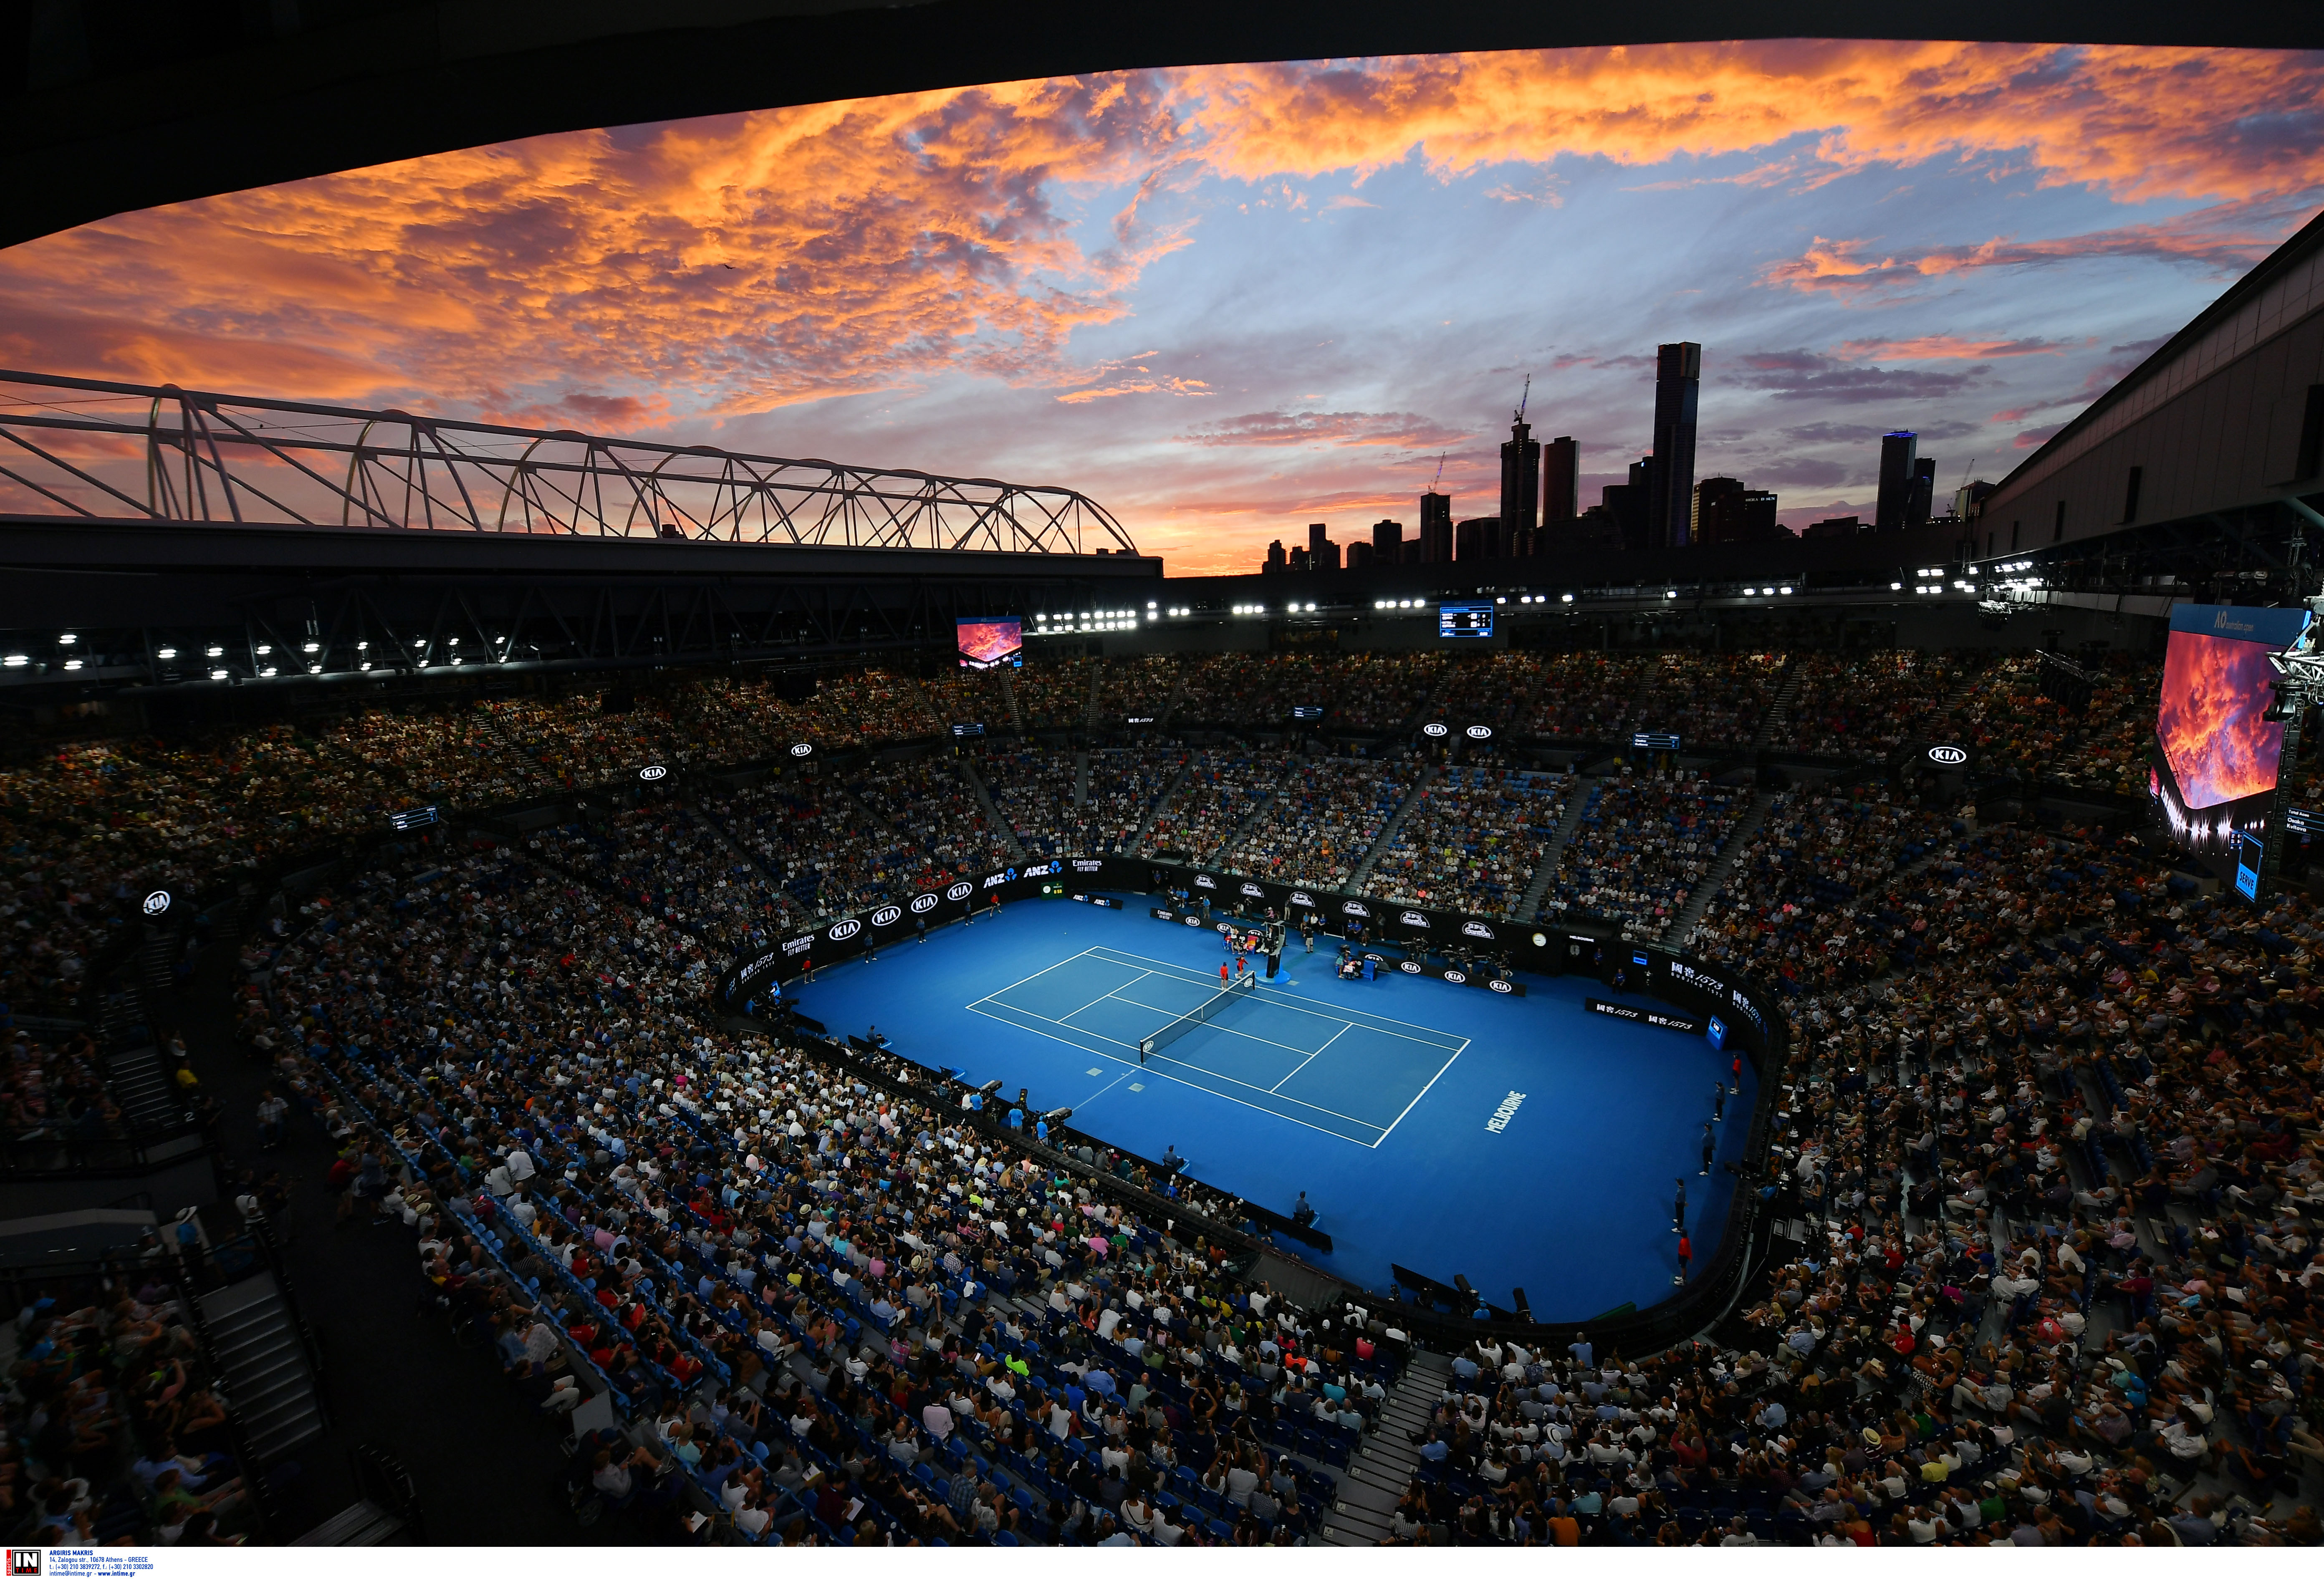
(1388, 1102)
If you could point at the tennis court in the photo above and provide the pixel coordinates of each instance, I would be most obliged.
(1342, 1071)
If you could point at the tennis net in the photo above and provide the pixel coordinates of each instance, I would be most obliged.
(1202, 1015)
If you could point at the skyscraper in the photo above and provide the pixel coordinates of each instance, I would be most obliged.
(1275, 559)
(1924, 495)
(1387, 543)
(1561, 480)
(1323, 553)
(1670, 483)
(1896, 469)
(1520, 489)
(1479, 538)
(1435, 528)
(1627, 504)
(1719, 510)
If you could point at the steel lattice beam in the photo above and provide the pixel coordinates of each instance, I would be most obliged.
(87, 447)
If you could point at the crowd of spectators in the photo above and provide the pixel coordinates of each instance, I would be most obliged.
(1125, 784)
(114, 1434)
(1868, 704)
(1472, 841)
(1583, 695)
(1641, 845)
(823, 851)
(835, 1306)
(1713, 700)
(1137, 687)
(1035, 791)
(1054, 693)
(1323, 817)
(1221, 789)
(673, 863)
(2100, 743)
(934, 829)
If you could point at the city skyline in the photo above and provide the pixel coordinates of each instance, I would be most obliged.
(1227, 302)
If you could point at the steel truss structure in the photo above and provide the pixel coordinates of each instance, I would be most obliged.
(87, 447)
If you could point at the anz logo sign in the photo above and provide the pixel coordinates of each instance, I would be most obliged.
(1476, 929)
(923, 904)
(1050, 868)
(1414, 919)
(887, 915)
(844, 930)
(960, 890)
(998, 878)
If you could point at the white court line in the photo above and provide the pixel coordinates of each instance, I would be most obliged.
(1228, 1030)
(1102, 997)
(1189, 1084)
(1277, 996)
(1414, 1103)
(1335, 1036)
(1038, 974)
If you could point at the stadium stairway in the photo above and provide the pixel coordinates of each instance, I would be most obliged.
(993, 816)
(1529, 907)
(1096, 695)
(1779, 711)
(1683, 928)
(141, 1087)
(1380, 845)
(1375, 1479)
(1081, 780)
(256, 1347)
(1136, 840)
(1178, 694)
(1008, 694)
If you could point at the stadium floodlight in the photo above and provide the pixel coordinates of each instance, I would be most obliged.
(167, 652)
(67, 639)
(218, 674)
(72, 663)
(214, 652)
(1568, 598)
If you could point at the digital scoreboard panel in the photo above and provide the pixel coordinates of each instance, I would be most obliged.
(1465, 619)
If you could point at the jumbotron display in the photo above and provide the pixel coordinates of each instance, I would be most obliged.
(2216, 751)
(991, 643)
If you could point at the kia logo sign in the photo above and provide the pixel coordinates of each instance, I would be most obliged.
(1454, 977)
(1413, 918)
(1253, 890)
(157, 902)
(653, 773)
(1193, 920)
(1478, 731)
(960, 890)
(886, 916)
(1476, 929)
(844, 931)
(1410, 967)
(1354, 908)
(922, 905)
(802, 750)
(1950, 756)
(1497, 985)
(1436, 731)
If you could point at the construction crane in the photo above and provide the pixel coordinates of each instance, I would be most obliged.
(1440, 471)
(1522, 399)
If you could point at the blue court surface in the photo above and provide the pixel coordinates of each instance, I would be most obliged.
(1377, 1098)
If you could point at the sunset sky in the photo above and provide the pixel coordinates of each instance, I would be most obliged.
(1227, 301)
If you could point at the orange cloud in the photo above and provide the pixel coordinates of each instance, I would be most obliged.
(1949, 348)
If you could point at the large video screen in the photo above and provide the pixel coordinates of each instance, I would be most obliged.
(992, 644)
(2215, 751)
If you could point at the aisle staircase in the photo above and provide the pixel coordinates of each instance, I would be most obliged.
(1552, 857)
(1387, 840)
(1136, 840)
(1779, 711)
(1691, 916)
(140, 1089)
(255, 1345)
(993, 816)
(1008, 694)
(1375, 1479)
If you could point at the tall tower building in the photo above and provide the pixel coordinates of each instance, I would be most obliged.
(1561, 481)
(1323, 553)
(1520, 489)
(1898, 468)
(1924, 487)
(1435, 528)
(1670, 486)
(1387, 543)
